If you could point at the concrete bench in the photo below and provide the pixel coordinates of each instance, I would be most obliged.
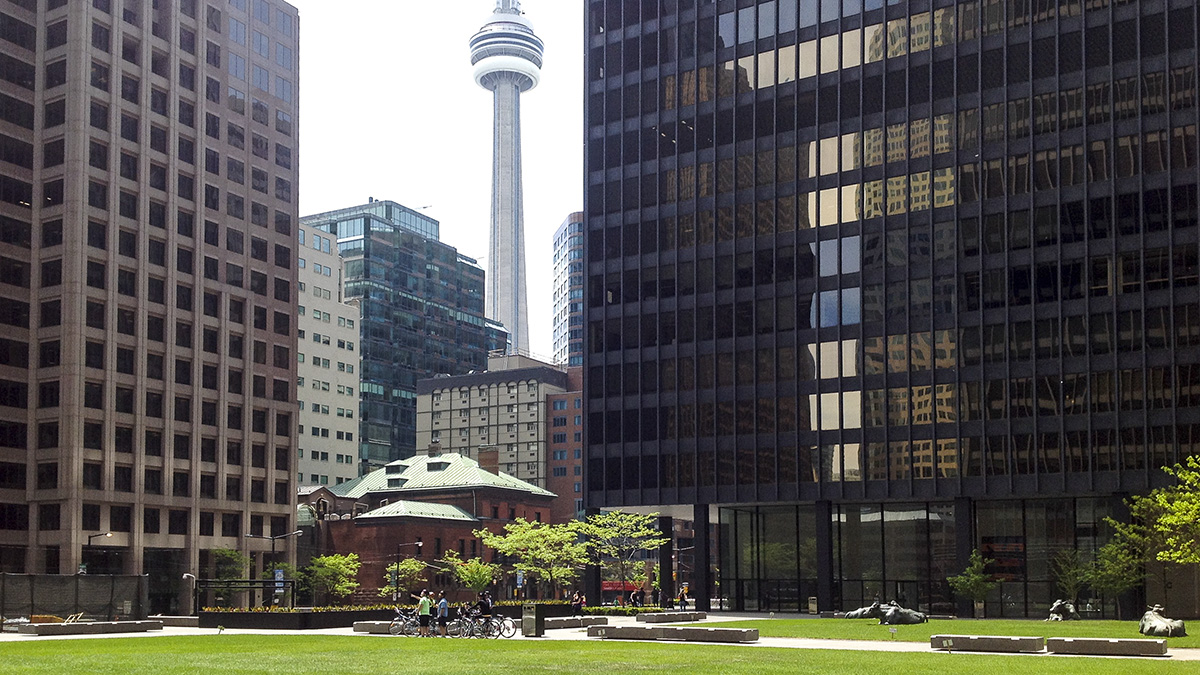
(178, 621)
(678, 633)
(89, 627)
(671, 617)
(987, 643)
(575, 621)
(372, 627)
(1107, 646)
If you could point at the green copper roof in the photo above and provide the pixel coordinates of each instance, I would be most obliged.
(418, 510)
(448, 471)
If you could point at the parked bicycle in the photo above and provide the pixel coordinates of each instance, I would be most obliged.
(405, 623)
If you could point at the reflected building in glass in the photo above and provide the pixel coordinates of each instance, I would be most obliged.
(873, 284)
(421, 314)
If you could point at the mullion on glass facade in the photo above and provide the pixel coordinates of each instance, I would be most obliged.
(940, 256)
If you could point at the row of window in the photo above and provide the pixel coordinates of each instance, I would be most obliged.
(120, 518)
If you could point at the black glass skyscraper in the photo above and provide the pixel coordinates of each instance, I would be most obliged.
(879, 283)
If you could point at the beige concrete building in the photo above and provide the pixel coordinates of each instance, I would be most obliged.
(148, 167)
(327, 385)
(504, 408)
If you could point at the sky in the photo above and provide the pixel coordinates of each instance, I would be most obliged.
(389, 109)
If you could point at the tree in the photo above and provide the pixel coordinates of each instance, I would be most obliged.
(474, 574)
(408, 574)
(615, 538)
(1119, 567)
(297, 575)
(334, 576)
(1070, 573)
(1177, 511)
(229, 564)
(973, 583)
(548, 553)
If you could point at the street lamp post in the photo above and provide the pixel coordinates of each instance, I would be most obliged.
(88, 545)
(274, 539)
(396, 575)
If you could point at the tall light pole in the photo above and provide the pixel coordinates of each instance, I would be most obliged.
(396, 572)
(274, 539)
(88, 545)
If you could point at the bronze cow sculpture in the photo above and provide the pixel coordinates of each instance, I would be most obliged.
(1154, 624)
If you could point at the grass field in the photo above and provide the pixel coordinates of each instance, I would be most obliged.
(337, 654)
(869, 629)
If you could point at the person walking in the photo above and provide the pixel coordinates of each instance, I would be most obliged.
(443, 613)
(576, 604)
(425, 612)
(683, 599)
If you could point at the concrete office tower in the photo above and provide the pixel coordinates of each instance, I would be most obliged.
(147, 298)
(568, 291)
(327, 355)
(884, 283)
(508, 59)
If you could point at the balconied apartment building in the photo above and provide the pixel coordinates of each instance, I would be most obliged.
(147, 285)
(504, 407)
(327, 384)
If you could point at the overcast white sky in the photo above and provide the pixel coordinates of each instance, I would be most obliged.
(389, 109)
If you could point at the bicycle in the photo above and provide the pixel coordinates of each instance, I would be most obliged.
(404, 623)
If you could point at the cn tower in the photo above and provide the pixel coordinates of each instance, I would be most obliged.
(508, 59)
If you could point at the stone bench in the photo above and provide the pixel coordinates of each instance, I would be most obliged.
(178, 621)
(987, 643)
(575, 622)
(89, 627)
(1107, 646)
(678, 633)
(372, 627)
(671, 617)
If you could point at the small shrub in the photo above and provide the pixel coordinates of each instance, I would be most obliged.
(621, 611)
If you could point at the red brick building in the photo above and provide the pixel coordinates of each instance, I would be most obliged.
(564, 456)
(435, 500)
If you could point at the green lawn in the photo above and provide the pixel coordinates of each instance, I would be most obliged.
(361, 654)
(869, 629)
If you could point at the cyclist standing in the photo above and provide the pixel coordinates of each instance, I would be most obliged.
(424, 611)
(443, 612)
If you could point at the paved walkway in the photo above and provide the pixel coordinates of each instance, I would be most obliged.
(581, 634)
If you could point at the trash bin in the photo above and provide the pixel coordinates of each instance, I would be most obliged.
(533, 620)
(812, 604)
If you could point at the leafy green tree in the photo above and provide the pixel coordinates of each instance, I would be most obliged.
(551, 554)
(1070, 569)
(614, 539)
(229, 564)
(334, 576)
(973, 583)
(1177, 513)
(296, 574)
(1119, 567)
(474, 574)
(408, 573)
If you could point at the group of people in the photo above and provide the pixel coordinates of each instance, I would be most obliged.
(429, 609)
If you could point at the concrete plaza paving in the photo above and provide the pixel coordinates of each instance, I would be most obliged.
(580, 634)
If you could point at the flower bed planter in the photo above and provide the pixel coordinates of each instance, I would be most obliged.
(292, 620)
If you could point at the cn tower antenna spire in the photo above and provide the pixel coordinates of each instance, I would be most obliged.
(507, 56)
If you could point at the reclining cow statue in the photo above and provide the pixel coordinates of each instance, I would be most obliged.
(891, 614)
(874, 611)
(895, 615)
(1062, 610)
(1154, 624)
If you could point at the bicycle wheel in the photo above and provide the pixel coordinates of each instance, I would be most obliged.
(508, 627)
(454, 629)
(395, 627)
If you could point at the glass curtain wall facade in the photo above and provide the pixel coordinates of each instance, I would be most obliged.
(873, 255)
(421, 307)
(568, 291)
